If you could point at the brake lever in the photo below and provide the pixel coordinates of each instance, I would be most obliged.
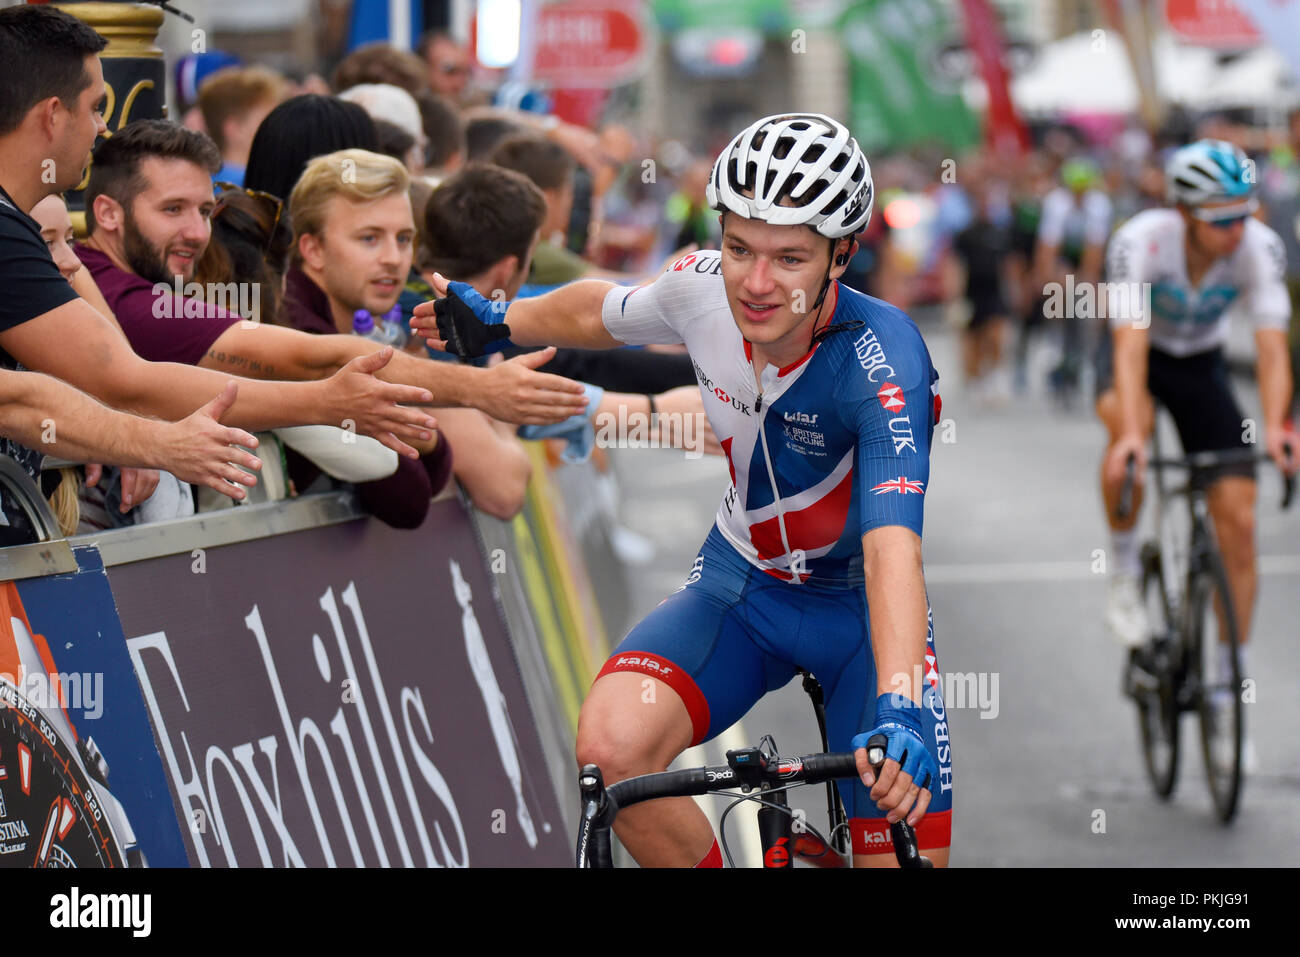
(905, 849)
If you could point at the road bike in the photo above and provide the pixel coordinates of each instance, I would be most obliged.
(784, 835)
(1191, 614)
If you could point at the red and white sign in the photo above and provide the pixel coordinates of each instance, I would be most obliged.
(1211, 23)
(590, 43)
(891, 397)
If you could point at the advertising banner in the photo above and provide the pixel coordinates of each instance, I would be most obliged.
(81, 782)
(898, 96)
(343, 696)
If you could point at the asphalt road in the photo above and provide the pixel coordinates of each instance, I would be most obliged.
(1047, 768)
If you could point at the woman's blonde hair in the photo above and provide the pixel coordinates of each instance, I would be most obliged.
(359, 176)
(65, 500)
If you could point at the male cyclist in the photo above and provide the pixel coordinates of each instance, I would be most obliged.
(1201, 256)
(823, 399)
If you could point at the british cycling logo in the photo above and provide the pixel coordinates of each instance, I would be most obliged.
(806, 437)
(901, 485)
(871, 355)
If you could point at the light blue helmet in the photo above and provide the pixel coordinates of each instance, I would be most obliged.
(1209, 170)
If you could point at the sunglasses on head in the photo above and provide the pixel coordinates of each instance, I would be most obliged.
(270, 204)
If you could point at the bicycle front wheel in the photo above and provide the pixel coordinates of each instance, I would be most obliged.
(1215, 656)
(1154, 687)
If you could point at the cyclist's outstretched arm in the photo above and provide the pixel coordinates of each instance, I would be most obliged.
(568, 316)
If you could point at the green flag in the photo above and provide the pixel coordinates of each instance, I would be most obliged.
(897, 100)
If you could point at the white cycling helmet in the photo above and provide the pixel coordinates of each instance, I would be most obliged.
(806, 159)
(1208, 170)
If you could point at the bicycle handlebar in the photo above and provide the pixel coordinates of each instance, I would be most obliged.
(747, 769)
(1199, 462)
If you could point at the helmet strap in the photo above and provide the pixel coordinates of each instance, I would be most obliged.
(821, 296)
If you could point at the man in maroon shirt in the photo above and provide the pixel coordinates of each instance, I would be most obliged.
(148, 202)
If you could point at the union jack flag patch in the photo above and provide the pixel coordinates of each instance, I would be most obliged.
(901, 485)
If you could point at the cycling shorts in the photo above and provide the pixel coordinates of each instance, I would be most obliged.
(1196, 391)
(733, 633)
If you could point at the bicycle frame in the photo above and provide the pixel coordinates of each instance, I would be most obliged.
(1177, 659)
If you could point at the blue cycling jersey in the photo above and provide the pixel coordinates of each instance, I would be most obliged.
(821, 451)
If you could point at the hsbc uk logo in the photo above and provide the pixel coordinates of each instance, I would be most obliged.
(891, 397)
(871, 355)
(711, 265)
(721, 394)
(900, 427)
(901, 485)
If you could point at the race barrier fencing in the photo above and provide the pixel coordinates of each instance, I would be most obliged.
(296, 684)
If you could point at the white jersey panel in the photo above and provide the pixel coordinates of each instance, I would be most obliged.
(1187, 320)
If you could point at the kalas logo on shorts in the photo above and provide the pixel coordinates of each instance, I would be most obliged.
(646, 664)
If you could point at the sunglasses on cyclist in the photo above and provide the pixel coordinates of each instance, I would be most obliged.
(1225, 223)
(1225, 217)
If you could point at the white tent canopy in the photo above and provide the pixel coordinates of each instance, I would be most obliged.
(1092, 74)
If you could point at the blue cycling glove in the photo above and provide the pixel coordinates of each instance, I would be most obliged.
(471, 325)
(898, 718)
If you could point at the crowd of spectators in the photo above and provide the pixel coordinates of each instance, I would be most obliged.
(226, 262)
(989, 238)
